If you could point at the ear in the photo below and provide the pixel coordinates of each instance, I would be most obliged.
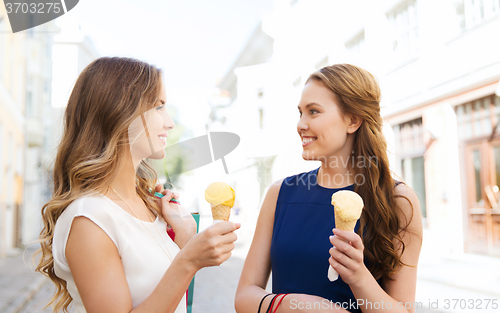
(354, 123)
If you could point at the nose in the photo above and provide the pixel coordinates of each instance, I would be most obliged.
(168, 123)
(302, 125)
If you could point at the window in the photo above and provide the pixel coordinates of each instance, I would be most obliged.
(410, 148)
(409, 138)
(476, 156)
(31, 25)
(478, 118)
(296, 82)
(2, 163)
(496, 154)
(10, 167)
(10, 160)
(470, 13)
(260, 93)
(413, 173)
(48, 48)
(47, 93)
(322, 63)
(355, 46)
(29, 103)
(19, 160)
(2, 44)
(404, 24)
(30, 109)
(261, 118)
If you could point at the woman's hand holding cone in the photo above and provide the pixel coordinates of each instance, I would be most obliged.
(211, 247)
(346, 256)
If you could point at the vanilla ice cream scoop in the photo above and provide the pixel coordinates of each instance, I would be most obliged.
(221, 198)
(220, 193)
(347, 205)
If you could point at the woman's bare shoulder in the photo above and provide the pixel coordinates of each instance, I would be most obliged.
(409, 205)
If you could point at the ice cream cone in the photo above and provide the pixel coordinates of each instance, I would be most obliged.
(221, 198)
(344, 224)
(221, 212)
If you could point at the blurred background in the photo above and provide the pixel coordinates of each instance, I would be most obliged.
(239, 66)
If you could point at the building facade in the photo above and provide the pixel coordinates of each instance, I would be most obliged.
(438, 64)
(25, 79)
(12, 135)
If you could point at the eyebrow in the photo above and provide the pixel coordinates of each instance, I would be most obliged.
(162, 101)
(310, 104)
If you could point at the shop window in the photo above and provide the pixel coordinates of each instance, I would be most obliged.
(413, 174)
(496, 153)
(410, 149)
(476, 159)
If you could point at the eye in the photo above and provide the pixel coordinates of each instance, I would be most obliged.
(313, 112)
(300, 113)
(160, 107)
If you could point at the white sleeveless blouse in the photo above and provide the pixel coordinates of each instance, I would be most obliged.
(144, 262)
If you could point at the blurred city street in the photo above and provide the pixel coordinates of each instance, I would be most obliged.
(240, 67)
(442, 281)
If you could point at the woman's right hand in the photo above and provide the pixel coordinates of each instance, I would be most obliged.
(211, 247)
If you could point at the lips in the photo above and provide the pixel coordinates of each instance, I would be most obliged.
(163, 138)
(307, 140)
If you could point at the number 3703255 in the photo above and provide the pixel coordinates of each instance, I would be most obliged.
(36, 8)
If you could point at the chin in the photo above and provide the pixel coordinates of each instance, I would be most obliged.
(158, 155)
(310, 155)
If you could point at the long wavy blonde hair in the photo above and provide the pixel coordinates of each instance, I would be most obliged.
(108, 95)
(358, 93)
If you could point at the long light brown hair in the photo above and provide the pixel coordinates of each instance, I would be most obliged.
(108, 95)
(358, 93)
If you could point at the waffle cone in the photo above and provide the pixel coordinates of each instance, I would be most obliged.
(343, 224)
(221, 212)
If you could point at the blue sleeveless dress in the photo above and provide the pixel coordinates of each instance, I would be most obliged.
(303, 223)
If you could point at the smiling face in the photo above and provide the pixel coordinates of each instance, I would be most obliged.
(325, 131)
(148, 132)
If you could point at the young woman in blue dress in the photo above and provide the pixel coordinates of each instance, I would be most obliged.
(295, 239)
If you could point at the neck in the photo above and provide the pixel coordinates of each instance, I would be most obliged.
(337, 173)
(124, 183)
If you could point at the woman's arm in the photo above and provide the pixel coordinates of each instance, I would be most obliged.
(99, 276)
(257, 267)
(348, 261)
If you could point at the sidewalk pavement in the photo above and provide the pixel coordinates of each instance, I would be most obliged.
(446, 283)
(18, 280)
(457, 282)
